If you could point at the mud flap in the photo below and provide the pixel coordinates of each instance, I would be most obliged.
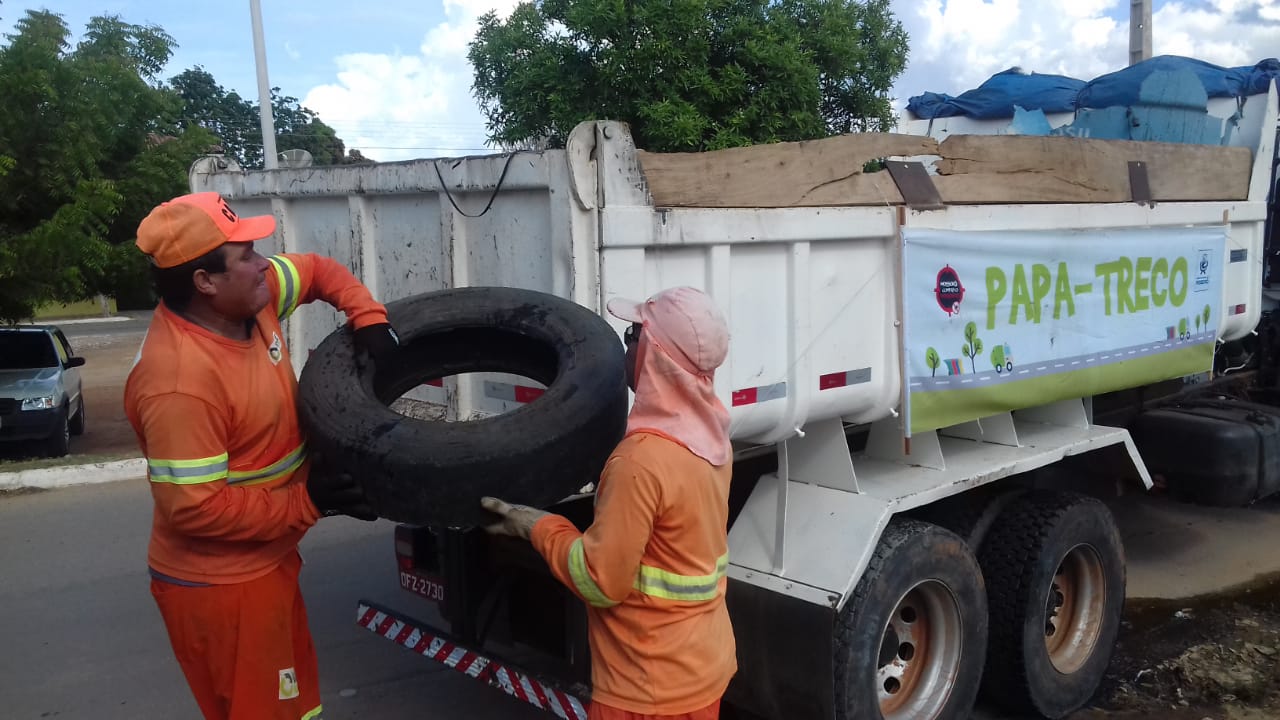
(785, 654)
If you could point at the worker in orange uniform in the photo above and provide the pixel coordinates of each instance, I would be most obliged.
(212, 398)
(652, 565)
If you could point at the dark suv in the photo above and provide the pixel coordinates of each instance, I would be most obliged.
(40, 392)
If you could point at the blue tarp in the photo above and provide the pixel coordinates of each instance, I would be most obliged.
(997, 97)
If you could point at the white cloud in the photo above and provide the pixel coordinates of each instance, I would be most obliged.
(394, 107)
(422, 100)
(957, 44)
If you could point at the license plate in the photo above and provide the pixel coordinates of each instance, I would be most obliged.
(428, 587)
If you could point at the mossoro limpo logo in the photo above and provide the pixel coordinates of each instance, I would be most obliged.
(948, 291)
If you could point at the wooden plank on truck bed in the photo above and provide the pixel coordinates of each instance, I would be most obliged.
(793, 174)
(973, 169)
(1031, 169)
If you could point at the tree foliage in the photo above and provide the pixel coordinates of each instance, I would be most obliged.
(235, 121)
(80, 154)
(688, 74)
(91, 140)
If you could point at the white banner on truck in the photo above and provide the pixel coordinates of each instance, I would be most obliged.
(1001, 321)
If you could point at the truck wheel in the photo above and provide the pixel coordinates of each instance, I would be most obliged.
(911, 640)
(1055, 581)
(434, 472)
(969, 515)
(59, 442)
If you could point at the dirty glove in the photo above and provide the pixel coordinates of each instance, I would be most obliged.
(517, 520)
(379, 342)
(338, 494)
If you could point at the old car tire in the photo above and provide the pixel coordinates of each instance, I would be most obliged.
(911, 640)
(59, 442)
(77, 421)
(434, 472)
(1055, 581)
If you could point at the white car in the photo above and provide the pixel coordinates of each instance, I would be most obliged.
(40, 391)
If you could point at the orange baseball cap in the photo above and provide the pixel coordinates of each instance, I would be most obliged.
(188, 226)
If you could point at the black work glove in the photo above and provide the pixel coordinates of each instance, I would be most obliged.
(379, 342)
(338, 494)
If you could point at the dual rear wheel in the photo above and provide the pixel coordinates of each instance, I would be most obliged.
(1029, 619)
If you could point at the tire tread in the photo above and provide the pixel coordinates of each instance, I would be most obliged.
(1009, 557)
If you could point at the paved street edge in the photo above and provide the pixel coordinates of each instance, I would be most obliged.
(67, 475)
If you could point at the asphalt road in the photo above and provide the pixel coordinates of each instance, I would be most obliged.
(82, 637)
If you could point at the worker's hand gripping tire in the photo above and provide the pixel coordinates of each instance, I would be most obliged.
(517, 520)
(339, 494)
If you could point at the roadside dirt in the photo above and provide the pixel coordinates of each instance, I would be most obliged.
(108, 359)
(1216, 657)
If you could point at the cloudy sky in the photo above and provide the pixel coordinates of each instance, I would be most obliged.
(391, 76)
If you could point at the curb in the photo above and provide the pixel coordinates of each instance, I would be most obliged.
(68, 475)
(79, 320)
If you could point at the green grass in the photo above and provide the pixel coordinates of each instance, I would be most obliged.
(66, 311)
(39, 463)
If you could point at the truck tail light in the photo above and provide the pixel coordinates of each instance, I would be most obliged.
(404, 547)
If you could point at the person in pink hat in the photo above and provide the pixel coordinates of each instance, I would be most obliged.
(652, 565)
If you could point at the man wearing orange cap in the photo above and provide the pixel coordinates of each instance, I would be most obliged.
(212, 400)
(652, 565)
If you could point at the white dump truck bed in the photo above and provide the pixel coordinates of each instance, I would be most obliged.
(802, 249)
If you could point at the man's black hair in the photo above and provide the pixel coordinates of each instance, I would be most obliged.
(175, 285)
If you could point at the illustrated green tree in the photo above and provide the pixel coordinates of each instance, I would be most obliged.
(235, 122)
(87, 140)
(972, 344)
(688, 75)
(1182, 327)
(997, 357)
(1197, 323)
(1205, 315)
(933, 361)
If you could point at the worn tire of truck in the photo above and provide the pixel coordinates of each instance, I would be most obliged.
(911, 641)
(1054, 567)
(434, 472)
(969, 515)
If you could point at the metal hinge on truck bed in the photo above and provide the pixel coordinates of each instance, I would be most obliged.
(431, 643)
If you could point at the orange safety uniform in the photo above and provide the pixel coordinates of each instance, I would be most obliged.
(652, 570)
(226, 460)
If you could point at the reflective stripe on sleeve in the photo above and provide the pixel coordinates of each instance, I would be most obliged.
(314, 714)
(582, 577)
(187, 472)
(274, 471)
(688, 588)
(290, 283)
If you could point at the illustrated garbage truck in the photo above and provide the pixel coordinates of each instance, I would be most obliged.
(912, 522)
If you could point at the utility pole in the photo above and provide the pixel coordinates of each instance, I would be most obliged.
(269, 157)
(1139, 31)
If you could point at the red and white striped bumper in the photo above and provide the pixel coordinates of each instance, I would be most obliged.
(426, 641)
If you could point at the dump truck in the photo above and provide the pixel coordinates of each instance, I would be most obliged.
(914, 517)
